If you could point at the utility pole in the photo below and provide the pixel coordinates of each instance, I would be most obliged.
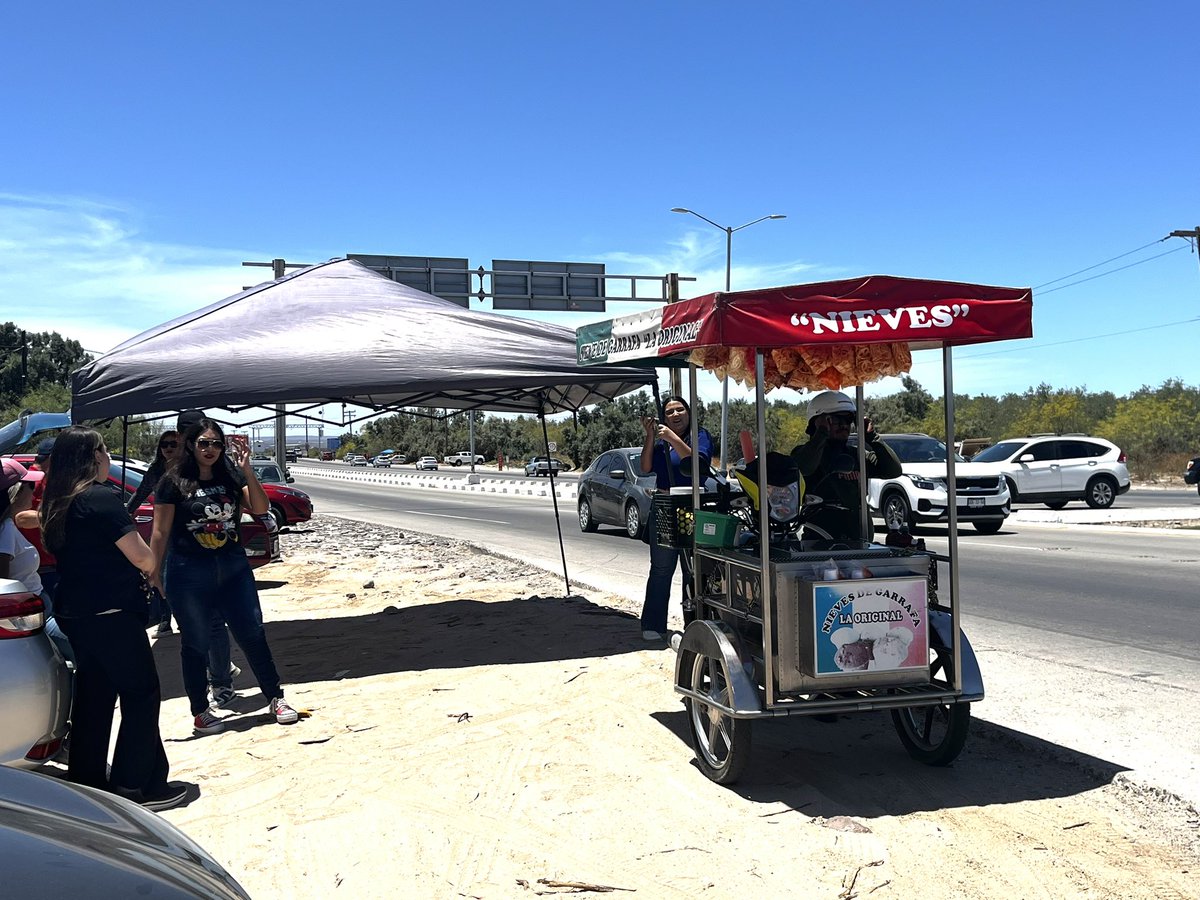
(1193, 236)
(279, 268)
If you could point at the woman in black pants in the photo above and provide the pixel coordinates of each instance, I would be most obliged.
(101, 604)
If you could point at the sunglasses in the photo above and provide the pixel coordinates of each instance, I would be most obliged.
(842, 416)
(205, 443)
(168, 445)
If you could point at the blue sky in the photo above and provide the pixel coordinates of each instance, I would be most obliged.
(150, 149)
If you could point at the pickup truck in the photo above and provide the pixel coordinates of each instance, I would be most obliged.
(462, 458)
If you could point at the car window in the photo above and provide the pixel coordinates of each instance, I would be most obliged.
(919, 449)
(998, 452)
(1046, 450)
(133, 478)
(1081, 449)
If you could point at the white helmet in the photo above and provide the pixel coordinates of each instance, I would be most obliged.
(829, 402)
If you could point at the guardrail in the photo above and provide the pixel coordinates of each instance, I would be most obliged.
(436, 481)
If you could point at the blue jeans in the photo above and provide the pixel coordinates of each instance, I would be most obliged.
(217, 585)
(663, 562)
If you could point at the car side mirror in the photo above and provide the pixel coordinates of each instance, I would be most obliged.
(1025, 457)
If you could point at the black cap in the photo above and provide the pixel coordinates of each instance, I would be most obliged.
(188, 418)
(45, 448)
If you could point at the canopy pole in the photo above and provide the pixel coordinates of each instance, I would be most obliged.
(124, 452)
(554, 497)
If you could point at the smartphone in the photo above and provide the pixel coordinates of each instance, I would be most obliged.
(239, 441)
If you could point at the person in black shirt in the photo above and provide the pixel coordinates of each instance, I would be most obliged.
(167, 455)
(197, 511)
(830, 465)
(101, 605)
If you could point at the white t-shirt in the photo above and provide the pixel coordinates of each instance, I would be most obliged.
(25, 559)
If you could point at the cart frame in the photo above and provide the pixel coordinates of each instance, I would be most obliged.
(719, 673)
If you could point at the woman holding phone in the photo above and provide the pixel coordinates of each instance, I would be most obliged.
(197, 511)
(667, 455)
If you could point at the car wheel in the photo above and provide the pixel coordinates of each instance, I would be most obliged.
(1101, 492)
(1056, 504)
(586, 522)
(276, 512)
(1013, 494)
(633, 520)
(456, 463)
(896, 511)
(988, 527)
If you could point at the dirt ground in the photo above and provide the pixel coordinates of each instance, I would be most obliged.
(473, 733)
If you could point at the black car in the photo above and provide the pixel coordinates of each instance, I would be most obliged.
(1192, 474)
(613, 491)
(64, 840)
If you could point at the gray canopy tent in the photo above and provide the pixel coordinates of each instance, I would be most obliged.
(341, 333)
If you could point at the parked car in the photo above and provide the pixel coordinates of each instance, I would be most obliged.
(63, 840)
(542, 465)
(1056, 469)
(1191, 474)
(289, 505)
(613, 491)
(35, 698)
(426, 462)
(920, 496)
(261, 539)
(462, 458)
(326, 456)
(356, 459)
(383, 459)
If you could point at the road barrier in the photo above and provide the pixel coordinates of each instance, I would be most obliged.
(436, 481)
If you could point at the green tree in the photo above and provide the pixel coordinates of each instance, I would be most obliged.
(29, 360)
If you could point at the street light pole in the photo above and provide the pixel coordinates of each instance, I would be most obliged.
(728, 276)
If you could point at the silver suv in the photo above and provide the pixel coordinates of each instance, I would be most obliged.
(1056, 469)
(920, 495)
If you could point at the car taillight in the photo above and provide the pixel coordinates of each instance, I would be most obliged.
(21, 614)
(1120, 456)
(44, 750)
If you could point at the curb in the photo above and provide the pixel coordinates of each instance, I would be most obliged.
(524, 487)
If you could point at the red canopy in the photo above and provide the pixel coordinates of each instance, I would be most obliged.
(871, 309)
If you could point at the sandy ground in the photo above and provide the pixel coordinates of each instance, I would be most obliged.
(475, 734)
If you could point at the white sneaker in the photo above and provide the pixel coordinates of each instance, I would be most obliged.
(283, 712)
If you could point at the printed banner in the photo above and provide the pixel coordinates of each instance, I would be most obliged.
(870, 624)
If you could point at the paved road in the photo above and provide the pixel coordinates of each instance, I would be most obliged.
(1088, 636)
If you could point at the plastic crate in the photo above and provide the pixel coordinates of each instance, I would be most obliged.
(715, 529)
(673, 520)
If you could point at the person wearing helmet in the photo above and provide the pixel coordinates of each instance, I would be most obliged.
(830, 467)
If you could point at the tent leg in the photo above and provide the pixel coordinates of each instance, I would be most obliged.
(554, 496)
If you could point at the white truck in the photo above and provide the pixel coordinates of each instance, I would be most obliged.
(462, 458)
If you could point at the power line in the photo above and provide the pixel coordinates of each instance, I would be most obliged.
(1093, 337)
(1110, 271)
(1099, 264)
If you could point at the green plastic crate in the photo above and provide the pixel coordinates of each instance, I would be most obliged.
(715, 529)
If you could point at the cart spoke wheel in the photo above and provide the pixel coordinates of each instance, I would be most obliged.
(721, 742)
(934, 735)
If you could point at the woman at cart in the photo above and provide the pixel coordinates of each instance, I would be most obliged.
(667, 455)
(830, 466)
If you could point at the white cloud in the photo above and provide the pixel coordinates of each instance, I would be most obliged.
(80, 267)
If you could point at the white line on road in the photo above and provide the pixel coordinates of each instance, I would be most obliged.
(414, 512)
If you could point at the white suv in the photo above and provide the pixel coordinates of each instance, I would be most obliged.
(1056, 469)
(920, 495)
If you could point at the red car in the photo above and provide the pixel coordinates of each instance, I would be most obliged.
(289, 505)
(261, 542)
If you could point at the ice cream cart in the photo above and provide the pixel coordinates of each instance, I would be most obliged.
(782, 623)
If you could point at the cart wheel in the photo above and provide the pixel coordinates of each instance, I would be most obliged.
(934, 735)
(722, 743)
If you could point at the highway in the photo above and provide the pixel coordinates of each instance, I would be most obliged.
(1088, 636)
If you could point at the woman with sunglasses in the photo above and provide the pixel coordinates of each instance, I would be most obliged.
(100, 603)
(167, 455)
(667, 455)
(197, 512)
(830, 467)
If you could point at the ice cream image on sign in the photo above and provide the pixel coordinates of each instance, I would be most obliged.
(859, 649)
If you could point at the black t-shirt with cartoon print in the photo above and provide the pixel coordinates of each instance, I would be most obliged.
(205, 521)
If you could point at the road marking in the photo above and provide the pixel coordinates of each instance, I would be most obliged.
(414, 512)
